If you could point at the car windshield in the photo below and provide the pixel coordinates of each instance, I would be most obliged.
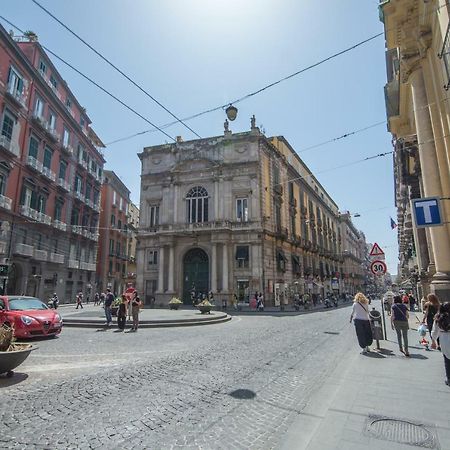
(25, 303)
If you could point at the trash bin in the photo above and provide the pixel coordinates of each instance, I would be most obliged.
(377, 327)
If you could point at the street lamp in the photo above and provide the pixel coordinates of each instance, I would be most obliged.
(231, 112)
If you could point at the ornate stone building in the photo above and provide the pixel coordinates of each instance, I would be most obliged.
(235, 214)
(418, 77)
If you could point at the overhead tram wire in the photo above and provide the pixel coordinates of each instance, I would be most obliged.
(117, 69)
(217, 108)
(96, 84)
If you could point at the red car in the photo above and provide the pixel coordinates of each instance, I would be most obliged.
(30, 316)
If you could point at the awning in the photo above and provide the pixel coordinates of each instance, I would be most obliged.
(242, 252)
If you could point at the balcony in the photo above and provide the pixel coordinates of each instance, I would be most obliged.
(43, 218)
(40, 255)
(77, 229)
(48, 173)
(89, 202)
(5, 202)
(51, 132)
(63, 184)
(34, 164)
(23, 250)
(18, 97)
(9, 146)
(67, 148)
(96, 206)
(78, 195)
(73, 264)
(92, 236)
(56, 258)
(51, 86)
(87, 266)
(81, 162)
(28, 212)
(60, 225)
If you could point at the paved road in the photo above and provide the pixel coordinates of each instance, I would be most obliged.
(234, 385)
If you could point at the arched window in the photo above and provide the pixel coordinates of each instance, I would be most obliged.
(197, 205)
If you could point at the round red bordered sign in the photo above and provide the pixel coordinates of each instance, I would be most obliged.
(378, 267)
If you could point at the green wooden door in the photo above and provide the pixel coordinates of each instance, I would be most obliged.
(195, 274)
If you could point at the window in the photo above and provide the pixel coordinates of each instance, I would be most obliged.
(33, 147)
(296, 265)
(3, 178)
(42, 67)
(291, 192)
(75, 216)
(281, 260)
(121, 203)
(82, 122)
(47, 158)
(197, 205)
(88, 191)
(152, 258)
(110, 267)
(114, 198)
(66, 137)
(111, 246)
(96, 196)
(68, 103)
(53, 81)
(8, 125)
(113, 220)
(242, 258)
(78, 185)
(42, 203)
(52, 120)
(278, 216)
(27, 196)
(119, 224)
(118, 249)
(154, 215)
(276, 175)
(242, 209)
(15, 82)
(293, 226)
(58, 210)
(38, 107)
(62, 170)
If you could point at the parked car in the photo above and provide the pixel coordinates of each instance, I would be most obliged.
(30, 316)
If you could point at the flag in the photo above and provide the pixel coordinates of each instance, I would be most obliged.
(393, 224)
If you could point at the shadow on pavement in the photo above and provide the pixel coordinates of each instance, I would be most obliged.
(417, 356)
(385, 351)
(17, 378)
(374, 355)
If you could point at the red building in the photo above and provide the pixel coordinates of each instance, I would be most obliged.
(115, 235)
(51, 170)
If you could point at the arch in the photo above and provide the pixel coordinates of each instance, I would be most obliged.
(197, 207)
(195, 274)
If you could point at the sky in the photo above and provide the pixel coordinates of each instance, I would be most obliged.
(192, 55)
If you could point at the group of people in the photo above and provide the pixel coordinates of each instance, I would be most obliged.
(130, 305)
(407, 299)
(436, 317)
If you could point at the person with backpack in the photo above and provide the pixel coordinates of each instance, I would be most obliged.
(399, 322)
(441, 331)
(108, 303)
(360, 317)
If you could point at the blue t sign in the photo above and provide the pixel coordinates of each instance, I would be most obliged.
(427, 212)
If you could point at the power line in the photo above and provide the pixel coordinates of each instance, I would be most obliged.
(95, 84)
(115, 67)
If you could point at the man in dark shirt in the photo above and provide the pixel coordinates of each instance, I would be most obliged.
(108, 302)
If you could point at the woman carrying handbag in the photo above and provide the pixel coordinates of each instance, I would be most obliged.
(399, 322)
(360, 317)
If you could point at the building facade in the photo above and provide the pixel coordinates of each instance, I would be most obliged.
(112, 261)
(418, 77)
(235, 214)
(50, 176)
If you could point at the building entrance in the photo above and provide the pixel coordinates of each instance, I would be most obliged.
(195, 274)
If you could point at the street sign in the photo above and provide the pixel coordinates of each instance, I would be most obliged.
(427, 212)
(376, 250)
(378, 267)
(4, 270)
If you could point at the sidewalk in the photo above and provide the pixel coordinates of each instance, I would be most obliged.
(379, 401)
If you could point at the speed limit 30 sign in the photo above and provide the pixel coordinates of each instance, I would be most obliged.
(378, 267)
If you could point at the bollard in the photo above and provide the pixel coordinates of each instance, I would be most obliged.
(377, 328)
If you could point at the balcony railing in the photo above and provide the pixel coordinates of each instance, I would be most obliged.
(5, 202)
(34, 163)
(62, 183)
(43, 218)
(96, 206)
(218, 224)
(87, 266)
(9, 146)
(28, 212)
(73, 264)
(52, 87)
(19, 97)
(82, 162)
(78, 195)
(56, 258)
(51, 132)
(40, 255)
(77, 229)
(67, 148)
(89, 202)
(48, 173)
(23, 250)
(60, 225)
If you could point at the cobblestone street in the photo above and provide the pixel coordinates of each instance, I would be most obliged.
(234, 385)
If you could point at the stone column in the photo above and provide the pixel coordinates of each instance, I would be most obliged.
(431, 180)
(214, 268)
(175, 203)
(161, 271)
(216, 200)
(225, 269)
(171, 268)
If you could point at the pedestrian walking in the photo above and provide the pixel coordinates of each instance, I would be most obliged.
(79, 300)
(412, 302)
(136, 306)
(441, 331)
(109, 298)
(55, 301)
(102, 299)
(96, 299)
(122, 313)
(431, 308)
(360, 317)
(399, 322)
(260, 303)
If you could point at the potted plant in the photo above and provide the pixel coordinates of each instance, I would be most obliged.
(205, 307)
(115, 306)
(175, 303)
(11, 354)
